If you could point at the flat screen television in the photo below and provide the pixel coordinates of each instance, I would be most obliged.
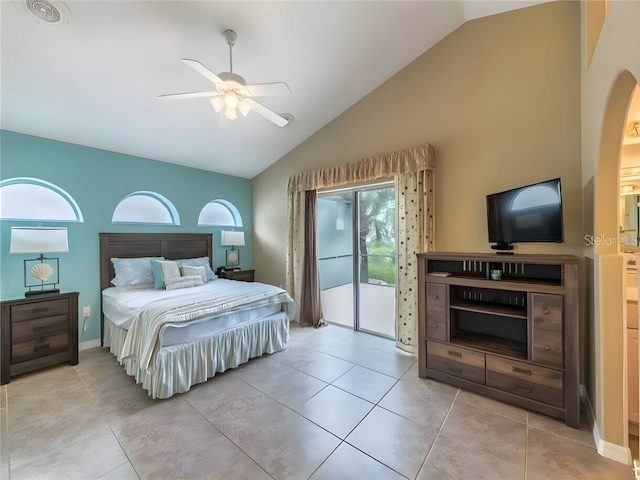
(532, 213)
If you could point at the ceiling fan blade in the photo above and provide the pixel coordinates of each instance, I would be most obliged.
(266, 113)
(201, 69)
(180, 96)
(268, 89)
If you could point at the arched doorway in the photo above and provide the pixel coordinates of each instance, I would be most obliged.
(608, 334)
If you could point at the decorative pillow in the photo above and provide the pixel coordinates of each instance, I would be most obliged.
(164, 270)
(187, 270)
(183, 282)
(199, 262)
(133, 271)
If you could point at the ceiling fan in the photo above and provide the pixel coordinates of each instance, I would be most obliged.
(232, 92)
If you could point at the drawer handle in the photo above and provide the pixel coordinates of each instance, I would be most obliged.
(522, 389)
(435, 325)
(40, 329)
(41, 347)
(40, 310)
(546, 311)
(435, 297)
(454, 354)
(522, 370)
(547, 348)
(456, 370)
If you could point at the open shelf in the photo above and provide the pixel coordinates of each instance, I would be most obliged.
(489, 308)
(489, 343)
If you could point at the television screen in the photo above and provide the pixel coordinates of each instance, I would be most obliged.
(526, 214)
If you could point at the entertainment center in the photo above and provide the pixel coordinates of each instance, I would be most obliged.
(502, 326)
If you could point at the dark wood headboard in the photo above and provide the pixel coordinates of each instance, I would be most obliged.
(172, 246)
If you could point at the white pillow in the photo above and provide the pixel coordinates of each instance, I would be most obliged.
(133, 271)
(199, 262)
(183, 282)
(166, 270)
(187, 270)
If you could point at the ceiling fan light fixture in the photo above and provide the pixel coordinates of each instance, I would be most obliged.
(231, 99)
(230, 113)
(244, 108)
(217, 103)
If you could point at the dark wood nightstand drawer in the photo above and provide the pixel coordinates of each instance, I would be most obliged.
(37, 332)
(242, 275)
(21, 313)
(41, 347)
(39, 328)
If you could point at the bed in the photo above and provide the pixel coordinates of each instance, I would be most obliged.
(170, 340)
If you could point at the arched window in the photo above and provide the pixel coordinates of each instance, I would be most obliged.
(146, 207)
(220, 213)
(33, 199)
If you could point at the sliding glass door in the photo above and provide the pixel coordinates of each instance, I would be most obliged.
(357, 258)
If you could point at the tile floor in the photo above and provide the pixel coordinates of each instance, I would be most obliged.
(335, 405)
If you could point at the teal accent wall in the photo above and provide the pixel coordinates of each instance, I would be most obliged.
(98, 180)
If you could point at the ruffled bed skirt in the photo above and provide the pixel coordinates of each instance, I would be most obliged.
(176, 368)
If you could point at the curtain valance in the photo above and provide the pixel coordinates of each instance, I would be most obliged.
(413, 159)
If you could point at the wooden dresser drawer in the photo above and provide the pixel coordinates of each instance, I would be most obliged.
(436, 327)
(40, 347)
(547, 335)
(21, 313)
(458, 361)
(526, 380)
(39, 328)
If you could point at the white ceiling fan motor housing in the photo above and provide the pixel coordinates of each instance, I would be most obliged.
(47, 12)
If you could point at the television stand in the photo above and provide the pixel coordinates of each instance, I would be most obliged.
(514, 338)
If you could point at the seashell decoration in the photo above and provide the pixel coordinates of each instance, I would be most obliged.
(41, 271)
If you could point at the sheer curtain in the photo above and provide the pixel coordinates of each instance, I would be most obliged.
(413, 170)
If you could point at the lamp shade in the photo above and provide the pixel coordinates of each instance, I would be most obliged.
(232, 239)
(38, 240)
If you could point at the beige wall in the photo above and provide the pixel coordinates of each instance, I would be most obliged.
(607, 85)
(499, 99)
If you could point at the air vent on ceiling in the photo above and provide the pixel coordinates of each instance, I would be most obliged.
(48, 12)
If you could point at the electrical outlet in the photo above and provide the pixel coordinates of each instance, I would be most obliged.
(86, 312)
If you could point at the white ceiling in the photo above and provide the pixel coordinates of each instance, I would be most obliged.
(94, 79)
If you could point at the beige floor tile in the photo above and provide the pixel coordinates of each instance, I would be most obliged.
(478, 429)
(557, 426)
(410, 400)
(335, 410)
(392, 364)
(449, 460)
(72, 445)
(393, 440)
(555, 456)
(123, 472)
(348, 463)
(365, 383)
(473, 400)
(324, 367)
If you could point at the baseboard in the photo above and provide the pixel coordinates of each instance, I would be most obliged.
(89, 344)
(606, 449)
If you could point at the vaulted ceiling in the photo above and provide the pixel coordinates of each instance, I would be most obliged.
(94, 77)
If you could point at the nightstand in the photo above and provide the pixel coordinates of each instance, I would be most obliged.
(242, 275)
(38, 332)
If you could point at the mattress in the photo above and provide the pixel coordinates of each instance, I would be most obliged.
(121, 304)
